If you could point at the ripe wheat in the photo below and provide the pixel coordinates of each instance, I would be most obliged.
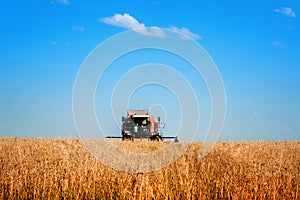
(63, 169)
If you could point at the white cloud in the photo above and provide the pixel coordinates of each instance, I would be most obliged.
(64, 2)
(286, 11)
(186, 34)
(278, 44)
(124, 21)
(128, 22)
(156, 31)
(78, 28)
(52, 42)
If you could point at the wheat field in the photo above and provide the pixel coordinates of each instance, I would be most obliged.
(52, 168)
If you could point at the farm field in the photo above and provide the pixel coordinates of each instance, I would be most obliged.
(50, 168)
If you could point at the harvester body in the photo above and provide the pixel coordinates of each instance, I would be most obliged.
(139, 124)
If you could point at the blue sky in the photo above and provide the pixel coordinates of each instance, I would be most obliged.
(255, 44)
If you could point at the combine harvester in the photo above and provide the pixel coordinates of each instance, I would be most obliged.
(138, 124)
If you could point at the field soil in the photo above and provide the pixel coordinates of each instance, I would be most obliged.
(49, 168)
